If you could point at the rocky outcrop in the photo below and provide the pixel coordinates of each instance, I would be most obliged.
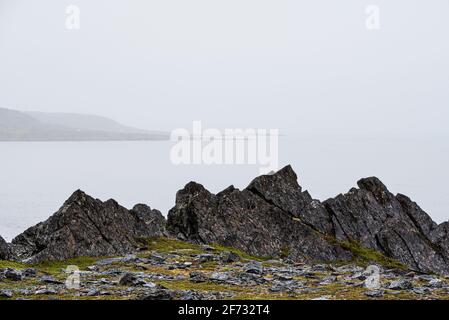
(270, 217)
(5, 252)
(393, 225)
(85, 226)
(153, 220)
(273, 216)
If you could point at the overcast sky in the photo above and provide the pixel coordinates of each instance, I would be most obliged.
(300, 66)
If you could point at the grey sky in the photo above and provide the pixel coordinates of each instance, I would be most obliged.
(300, 66)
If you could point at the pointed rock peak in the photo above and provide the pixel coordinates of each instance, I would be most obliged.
(372, 184)
(227, 191)
(376, 187)
(78, 196)
(5, 252)
(140, 207)
(286, 176)
(193, 187)
(287, 172)
(80, 199)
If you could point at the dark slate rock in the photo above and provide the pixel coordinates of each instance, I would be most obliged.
(85, 226)
(374, 293)
(283, 191)
(153, 219)
(229, 257)
(13, 274)
(253, 267)
(157, 294)
(197, 277)
(131, 279)
(402, 284)
(5, 251)
(393, 225)
(6, 294)
(274, 215)
(50, 280)
(254, 220)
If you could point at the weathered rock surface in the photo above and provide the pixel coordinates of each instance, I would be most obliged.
(393, 225)
(153, 219)
(5, 252)
(273, 215)
(85, 226)
(265, 219)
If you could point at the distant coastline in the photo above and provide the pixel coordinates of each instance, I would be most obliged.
(16, 126)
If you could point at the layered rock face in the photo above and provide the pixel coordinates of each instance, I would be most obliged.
(5, 252)
(274, 215)
(271, 216)
(88, 227)
(393, 225)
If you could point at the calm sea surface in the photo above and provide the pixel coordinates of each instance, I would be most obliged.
(36, 177)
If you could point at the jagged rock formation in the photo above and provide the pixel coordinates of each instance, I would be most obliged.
(393, 225)
(87, 227)
(266, 219)
(273, 215)
(5, 252)
(154, 221)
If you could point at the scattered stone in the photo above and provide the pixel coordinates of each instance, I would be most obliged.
(425, 277)
(206, 257)
(421, 290)
(112, 272)
(403, 284)
(286, 286)
(50, 280)
(6, 294)
(374, 293)
(157, 294)
(12, 274)
(92, 268)
(229, 257)
(253, 267)
(157, 258)
(45, 291)
(219, 276)
(93, 292)
(436, 283)
(131, 279)
(29, 273)
(328, 280)
(197, 277)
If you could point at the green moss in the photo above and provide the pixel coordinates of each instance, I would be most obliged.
(167, 245)
(242, 254)
(285, 252)
(12, 264)
(365, 256)
(57, 267)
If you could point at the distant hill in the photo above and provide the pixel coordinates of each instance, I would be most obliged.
(40, 126)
